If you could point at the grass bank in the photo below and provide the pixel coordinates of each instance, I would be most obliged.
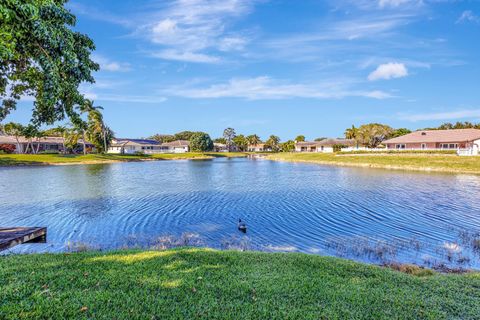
(398, 161)
(60, 159)
(199, 283)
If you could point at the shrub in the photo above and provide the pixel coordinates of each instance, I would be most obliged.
(7, 148)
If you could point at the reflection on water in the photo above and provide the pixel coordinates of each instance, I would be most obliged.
(365, 214)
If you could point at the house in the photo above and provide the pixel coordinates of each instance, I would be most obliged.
(178, 146)
(147, 146)
(261, 147)
(41, 145)
(465, 141)
(220, 147)
(325, 145)
(132, 146)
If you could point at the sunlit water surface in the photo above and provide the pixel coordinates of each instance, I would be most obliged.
(365, 214)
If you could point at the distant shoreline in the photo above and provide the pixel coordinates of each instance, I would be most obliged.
(19, 160)
(439, 163)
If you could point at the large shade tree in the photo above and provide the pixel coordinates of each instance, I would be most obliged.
(371, 135)
(200, 142)
(43, 57)
(241, 142)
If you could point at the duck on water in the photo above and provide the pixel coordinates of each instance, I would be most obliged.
(242, 226)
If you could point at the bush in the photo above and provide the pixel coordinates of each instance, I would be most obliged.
(7, 148)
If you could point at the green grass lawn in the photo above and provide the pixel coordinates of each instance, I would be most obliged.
(199, 283)
(43, 159)
(424, 162)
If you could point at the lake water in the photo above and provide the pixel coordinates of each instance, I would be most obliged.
(364, 214)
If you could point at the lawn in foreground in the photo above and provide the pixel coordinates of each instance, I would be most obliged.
(45, 159)
(421, 162)
(191, 283)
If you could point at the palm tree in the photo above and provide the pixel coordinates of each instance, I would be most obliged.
(87, 107)
(273, 142)
(253, 139)
(351, 133)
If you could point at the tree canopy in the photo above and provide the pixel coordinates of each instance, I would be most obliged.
(200, 142)
(42, 57)
(372, 134)
(300, 138)
(228, 135)
(273, 142)
(241, 142)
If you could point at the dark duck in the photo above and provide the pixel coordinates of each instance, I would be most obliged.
(242, 226)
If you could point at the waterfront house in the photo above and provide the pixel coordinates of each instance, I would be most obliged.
(132, 146)
(178, 146)
(147, 146)
(41, 145)
(220, 147)
(465, 141)
(261, 147)
(326, 145)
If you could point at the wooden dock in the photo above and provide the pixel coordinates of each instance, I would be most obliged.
(10, 237)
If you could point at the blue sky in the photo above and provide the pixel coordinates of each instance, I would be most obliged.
(281, 67)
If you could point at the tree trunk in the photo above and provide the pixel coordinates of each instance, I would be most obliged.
(38, 147)
(104, 142)
(83, 138)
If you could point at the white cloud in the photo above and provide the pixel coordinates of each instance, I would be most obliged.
(389, 71)
(187, 29)
(109, 65)
(468, 15)
(266, 88)
(451, 115)
(394, 3)
(175, 55)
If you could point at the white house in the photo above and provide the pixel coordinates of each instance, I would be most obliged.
(325, 145)
(147, 146)
(41, 145)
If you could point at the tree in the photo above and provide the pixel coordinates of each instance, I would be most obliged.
(273, 143)
(70, 139)
(399, 132)
(300, 138)
(43, 57)
(287, 146)
(241, 142)
(351, 133)
(320, 138)
(16, 130)
(184, 135)
(97, 132)
(253, 139)
(228, 135)
(162, 138)
(372, 134)
(200, 142)
(220, 140)
(31, 133)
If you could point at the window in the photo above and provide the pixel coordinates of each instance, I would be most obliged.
(424, 146)
(449, 145)
(400, 146)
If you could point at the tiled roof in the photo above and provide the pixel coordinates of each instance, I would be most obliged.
(177, 143)
(119, 141)
(452, 135)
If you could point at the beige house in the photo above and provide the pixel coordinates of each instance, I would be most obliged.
(261, 147)
(40, 145)
(325, 145)
(465, 141)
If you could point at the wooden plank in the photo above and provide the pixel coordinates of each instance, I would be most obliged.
(10, 237)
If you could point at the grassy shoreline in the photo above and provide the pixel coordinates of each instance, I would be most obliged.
(411, 162)
(59, 159)
(203, 283)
